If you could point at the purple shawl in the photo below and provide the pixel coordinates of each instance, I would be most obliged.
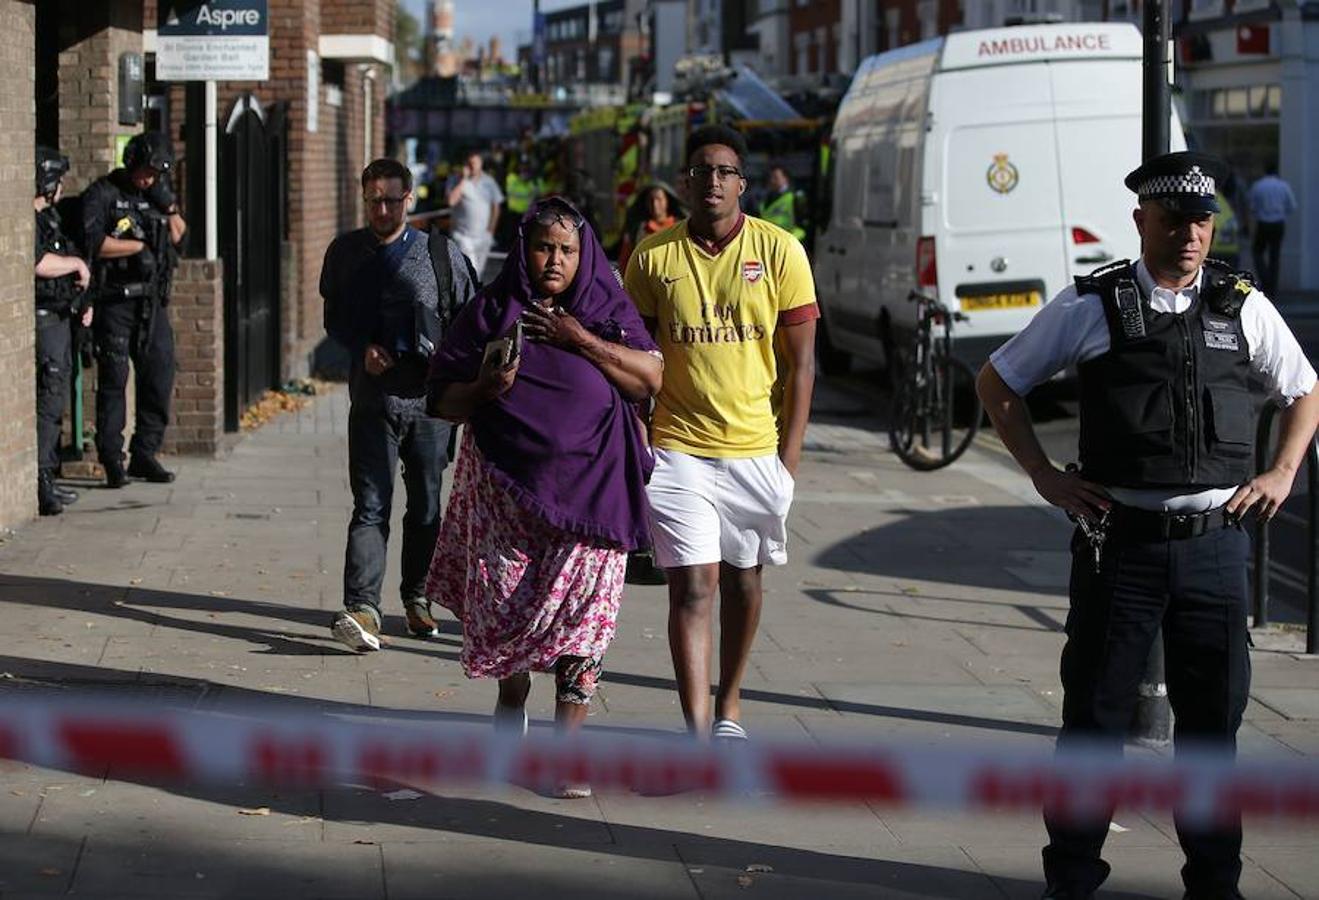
(562, 440)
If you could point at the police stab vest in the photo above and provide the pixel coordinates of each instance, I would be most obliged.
(1169, 405)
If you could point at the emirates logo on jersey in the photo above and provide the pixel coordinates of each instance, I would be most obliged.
(752, 271)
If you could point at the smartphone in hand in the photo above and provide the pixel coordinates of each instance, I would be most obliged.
(515, 339)
(507, 350)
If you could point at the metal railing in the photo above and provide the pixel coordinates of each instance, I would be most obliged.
(1262, 434)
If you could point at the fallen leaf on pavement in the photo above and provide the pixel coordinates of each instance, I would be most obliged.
(50, 871)
(256, 811)
(759, 867)
(405, 794)
(745, 881)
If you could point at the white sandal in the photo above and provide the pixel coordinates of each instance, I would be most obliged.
(728, 730)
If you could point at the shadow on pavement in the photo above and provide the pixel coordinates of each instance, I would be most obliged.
(144, 605)
(453, 815)
(1009, 548)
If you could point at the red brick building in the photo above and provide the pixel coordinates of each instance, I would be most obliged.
(814, 32)
(323, 111)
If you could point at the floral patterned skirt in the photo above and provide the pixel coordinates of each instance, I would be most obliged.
(526, 593)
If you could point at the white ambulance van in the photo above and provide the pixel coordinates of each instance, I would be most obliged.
(985, 166)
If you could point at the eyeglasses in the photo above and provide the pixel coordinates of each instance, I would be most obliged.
(557, 215)
(723, 172)
(391, 202)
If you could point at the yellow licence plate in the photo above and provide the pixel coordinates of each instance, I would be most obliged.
(1010, 300)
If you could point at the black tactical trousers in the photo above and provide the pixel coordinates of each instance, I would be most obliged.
(121, 336)
(54, 370)
(1196, 590)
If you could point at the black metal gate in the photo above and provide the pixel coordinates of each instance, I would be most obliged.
(252, 210)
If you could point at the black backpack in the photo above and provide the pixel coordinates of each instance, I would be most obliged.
(449, 305)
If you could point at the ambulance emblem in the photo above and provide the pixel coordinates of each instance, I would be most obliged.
(1002, 175)
(752, 271)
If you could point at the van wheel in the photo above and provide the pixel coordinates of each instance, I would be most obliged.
(832, 360)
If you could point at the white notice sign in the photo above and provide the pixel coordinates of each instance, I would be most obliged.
(213, 40)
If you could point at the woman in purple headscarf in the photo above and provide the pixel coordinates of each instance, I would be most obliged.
(548, 494)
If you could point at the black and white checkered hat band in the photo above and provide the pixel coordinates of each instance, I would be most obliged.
(1196, 183)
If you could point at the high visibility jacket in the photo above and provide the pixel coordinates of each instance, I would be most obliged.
(520, 192)
(782, 211)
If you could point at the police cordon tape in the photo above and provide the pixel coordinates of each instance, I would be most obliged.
(129, 740)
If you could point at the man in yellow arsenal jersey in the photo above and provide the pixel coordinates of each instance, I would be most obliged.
(720, 291)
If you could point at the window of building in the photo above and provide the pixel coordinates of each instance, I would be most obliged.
(604, 61)
(801, 42)
(1206, 9)
(1257, 102)
(893, 25)
(927, 11)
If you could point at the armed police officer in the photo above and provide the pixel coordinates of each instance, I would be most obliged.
(1170, 352)
(61, 284)
(132, 226)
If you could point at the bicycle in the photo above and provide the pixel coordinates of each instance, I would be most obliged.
(935, 411)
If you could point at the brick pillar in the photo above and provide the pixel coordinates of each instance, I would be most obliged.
(93, 35)
(18, 435)
(196, 311)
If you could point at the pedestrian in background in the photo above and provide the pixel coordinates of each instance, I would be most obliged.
(389, 291)
(1169, 352)
(1271, 202)
(474, 200)
(61, 284)
(658, 210)
(549, 492)
(782, 205)
(132, 225)
(720, 291)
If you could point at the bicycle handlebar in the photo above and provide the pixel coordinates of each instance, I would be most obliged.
(921, 298)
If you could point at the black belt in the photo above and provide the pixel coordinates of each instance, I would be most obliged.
(1129, 523)
(132, 291)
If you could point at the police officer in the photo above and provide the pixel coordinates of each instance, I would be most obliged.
(132, 225)
(61, 281)
(1170, 352)
(782, 205)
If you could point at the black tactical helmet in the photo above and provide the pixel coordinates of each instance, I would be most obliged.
(149, 149)
(51, 167)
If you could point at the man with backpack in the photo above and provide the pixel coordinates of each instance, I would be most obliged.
(389, 291)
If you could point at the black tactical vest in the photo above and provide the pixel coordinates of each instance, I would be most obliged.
(1170, 404)
(128, 216)
(57, 295)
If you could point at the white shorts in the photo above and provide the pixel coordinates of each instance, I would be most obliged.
(719, 510)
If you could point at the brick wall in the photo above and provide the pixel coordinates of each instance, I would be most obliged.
(321, 163)
(18, 437)
(358, 17)
(93, 36)
(196, 311)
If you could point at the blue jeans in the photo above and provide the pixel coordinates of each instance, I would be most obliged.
(379, 437)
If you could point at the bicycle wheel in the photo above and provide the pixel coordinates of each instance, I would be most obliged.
(934, 418)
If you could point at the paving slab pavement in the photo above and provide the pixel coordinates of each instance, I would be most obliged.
(921, 608)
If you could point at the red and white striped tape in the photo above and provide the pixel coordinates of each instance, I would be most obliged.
(129, 740)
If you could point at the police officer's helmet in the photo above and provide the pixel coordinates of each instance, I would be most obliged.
(51, 166)
(150, 149)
